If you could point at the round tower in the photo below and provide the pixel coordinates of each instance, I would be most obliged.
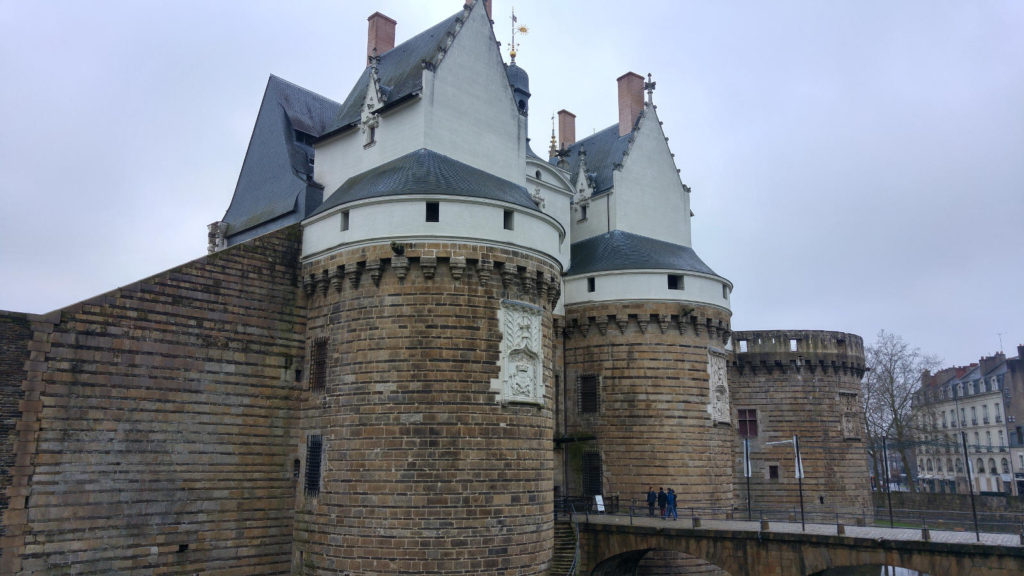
(803, 383)
(428, 417)
(647, 401)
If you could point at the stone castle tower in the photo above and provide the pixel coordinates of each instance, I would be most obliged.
(410, 335)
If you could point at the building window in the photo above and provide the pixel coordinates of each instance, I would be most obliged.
(748, 422)
(743, 345)
(792, 344)
(318, 364)
(590, 394)
(591, 284)
(773, 471)
(314, 457)
(510, 223)
(979, 468)
(433, 212)
(992, 466)
(344, 220)
(725, 291)
(583, 212)
(1006, 466)
(591, 473)
(675, 282)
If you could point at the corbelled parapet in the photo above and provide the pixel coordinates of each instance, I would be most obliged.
(798, 351)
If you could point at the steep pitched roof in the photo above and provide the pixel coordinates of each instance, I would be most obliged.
(604, 151)
(427, 172)
(618, 250)
(276, 172)
(400, 72)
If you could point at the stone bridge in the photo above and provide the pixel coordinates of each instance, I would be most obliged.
(615, 545)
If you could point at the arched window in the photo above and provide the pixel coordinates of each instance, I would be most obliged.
(979, 468)
(959, 466)
(1006, 466)
(938, 465)
(992, 466)
(949, 464)
(929, 464)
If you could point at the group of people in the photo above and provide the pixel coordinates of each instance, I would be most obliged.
(666, 502)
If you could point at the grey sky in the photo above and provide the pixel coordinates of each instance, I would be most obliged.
(855, 165)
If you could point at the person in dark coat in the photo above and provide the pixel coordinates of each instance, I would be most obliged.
(652, 499)
(662, 501)
(672, 504)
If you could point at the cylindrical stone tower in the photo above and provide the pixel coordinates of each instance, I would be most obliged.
(804, 383)
(429, 419)
(647, 399)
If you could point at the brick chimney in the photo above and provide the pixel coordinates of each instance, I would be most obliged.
(566, 129)
(631, 100)
(381, 35)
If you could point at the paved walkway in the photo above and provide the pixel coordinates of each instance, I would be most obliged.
(873, 532)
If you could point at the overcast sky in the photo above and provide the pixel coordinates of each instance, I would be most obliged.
(855, 166)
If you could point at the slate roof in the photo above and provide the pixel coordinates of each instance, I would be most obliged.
(274, 179)
(604, 150)
(618, 250)
(427, 172)
(400, 72)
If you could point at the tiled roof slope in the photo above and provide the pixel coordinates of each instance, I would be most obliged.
(427, 172)
(274, 180)
(604, 151)
(400, 72)
(618, 250)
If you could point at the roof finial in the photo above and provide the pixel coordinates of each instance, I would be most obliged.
(649, 87)
(514, 46)
(553, 149)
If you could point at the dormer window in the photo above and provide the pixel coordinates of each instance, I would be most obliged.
(583, 212)
(370, 130)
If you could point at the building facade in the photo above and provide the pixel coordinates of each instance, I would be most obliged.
(405, 343)
(972, 406)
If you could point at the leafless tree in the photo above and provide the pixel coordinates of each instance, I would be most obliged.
(893, 376)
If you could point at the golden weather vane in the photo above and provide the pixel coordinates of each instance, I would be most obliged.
(516, 28)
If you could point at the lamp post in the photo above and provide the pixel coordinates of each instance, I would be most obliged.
(747, 469)
(888, 492)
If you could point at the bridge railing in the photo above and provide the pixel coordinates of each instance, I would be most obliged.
(1003, 522)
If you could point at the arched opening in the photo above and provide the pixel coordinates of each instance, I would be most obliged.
(655, 562)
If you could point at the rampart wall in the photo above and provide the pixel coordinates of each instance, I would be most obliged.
(157, 430)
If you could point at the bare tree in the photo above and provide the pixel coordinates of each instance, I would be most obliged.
(893, 376)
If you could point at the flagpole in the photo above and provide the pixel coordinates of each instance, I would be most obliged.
(800, 480)
(747, 471)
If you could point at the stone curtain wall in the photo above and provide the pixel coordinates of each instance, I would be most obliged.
(425, 471)
(15, 334)
(652, 426)
(166, 424)
(808, 392)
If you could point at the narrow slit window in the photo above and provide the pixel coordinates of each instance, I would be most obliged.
(591, 285)
(318, 364)
(675, 282)
(314, 459)
(433, 212)
(510, 222)
(590, 394)
(583, 212)
(344, 221)
(725, 291)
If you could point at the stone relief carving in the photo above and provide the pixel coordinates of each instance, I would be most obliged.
(719, 387)
(522, 354)
(848, 407)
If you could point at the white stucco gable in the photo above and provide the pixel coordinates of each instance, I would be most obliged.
(473, 117)
(649, 198)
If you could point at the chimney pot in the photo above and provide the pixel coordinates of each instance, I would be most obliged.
(631, 100)
(566, 129)
(381, 35)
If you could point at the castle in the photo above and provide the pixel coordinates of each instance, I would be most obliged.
(411, 335)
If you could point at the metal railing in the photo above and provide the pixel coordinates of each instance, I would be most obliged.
(576, 533)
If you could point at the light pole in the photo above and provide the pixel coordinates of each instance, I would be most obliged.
(799, 472)
(888, 492)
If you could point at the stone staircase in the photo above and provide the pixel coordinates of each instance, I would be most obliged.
(564, 550)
